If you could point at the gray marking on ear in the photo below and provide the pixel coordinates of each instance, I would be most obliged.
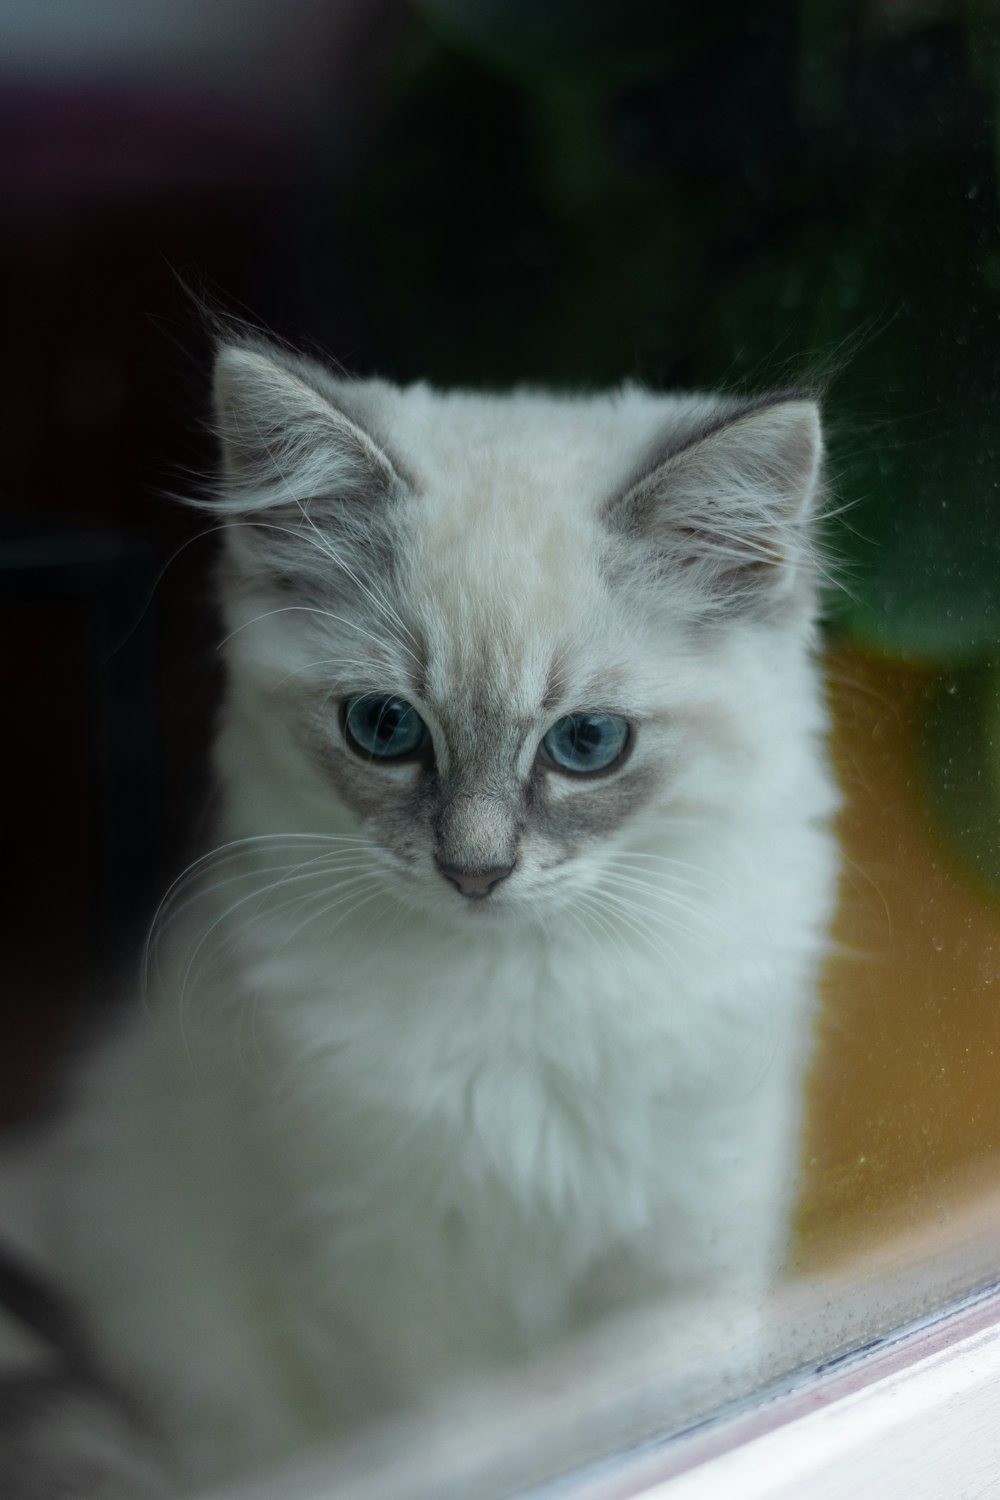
(284, 437)
(310, 490)
(726, 511)
(723, 415)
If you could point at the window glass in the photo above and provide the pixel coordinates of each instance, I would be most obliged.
(786, 196)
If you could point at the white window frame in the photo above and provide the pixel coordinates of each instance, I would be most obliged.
(914, 1417)
(918, 1416)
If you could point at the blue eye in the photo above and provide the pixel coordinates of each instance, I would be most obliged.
(387, 728)
(587, 742)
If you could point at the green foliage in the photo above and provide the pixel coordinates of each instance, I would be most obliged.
(565, 41)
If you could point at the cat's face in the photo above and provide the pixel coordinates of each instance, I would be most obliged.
(504, 728)
(497, 637)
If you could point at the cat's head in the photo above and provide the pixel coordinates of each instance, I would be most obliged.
(500, 637)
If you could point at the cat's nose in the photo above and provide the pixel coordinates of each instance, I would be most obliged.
(474, 883)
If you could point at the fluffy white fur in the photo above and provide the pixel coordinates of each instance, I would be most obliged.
(366, 1134)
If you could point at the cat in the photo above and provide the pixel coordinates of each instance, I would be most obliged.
(489, 1012)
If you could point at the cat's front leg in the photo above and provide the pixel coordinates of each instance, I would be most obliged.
(697, 1286)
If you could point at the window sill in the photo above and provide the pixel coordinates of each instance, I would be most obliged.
(913, 1413)
(917, 1417)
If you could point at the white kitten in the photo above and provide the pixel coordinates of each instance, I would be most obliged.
(491, 1011)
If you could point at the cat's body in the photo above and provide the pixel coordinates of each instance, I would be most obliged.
(451, 1051)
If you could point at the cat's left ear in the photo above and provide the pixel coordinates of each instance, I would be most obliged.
(728, 512)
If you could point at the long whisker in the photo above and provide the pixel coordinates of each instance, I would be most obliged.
(576, 918)
(250, 843)
(640, 862)
(250, 1012)
(377, 888)
(589, 902)
(346, 890)
(353, 875)
(298, 900)
(342, 666)
(247, 1017)
(305, 609)
(258, 894)
(222, 854)
(630, 916)
(645, 919)
(309, 869)
(376, 599)
(663, 896)
(388, 614)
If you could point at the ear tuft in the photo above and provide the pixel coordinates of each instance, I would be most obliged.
(730, 510)
(284, 439)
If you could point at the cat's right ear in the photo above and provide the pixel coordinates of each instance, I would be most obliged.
(306, 490)
(286, 442)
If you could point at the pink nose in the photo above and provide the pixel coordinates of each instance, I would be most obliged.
(475, 883)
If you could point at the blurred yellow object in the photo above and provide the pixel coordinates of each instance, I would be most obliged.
(904, 1103)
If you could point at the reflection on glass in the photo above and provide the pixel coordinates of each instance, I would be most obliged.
(786, 197)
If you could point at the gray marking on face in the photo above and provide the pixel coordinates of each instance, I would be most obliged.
(478, 831)
(589, 812)
(483, 813)
(479, 811)
(419, 665)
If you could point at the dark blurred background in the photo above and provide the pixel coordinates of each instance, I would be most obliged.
(475, 191)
